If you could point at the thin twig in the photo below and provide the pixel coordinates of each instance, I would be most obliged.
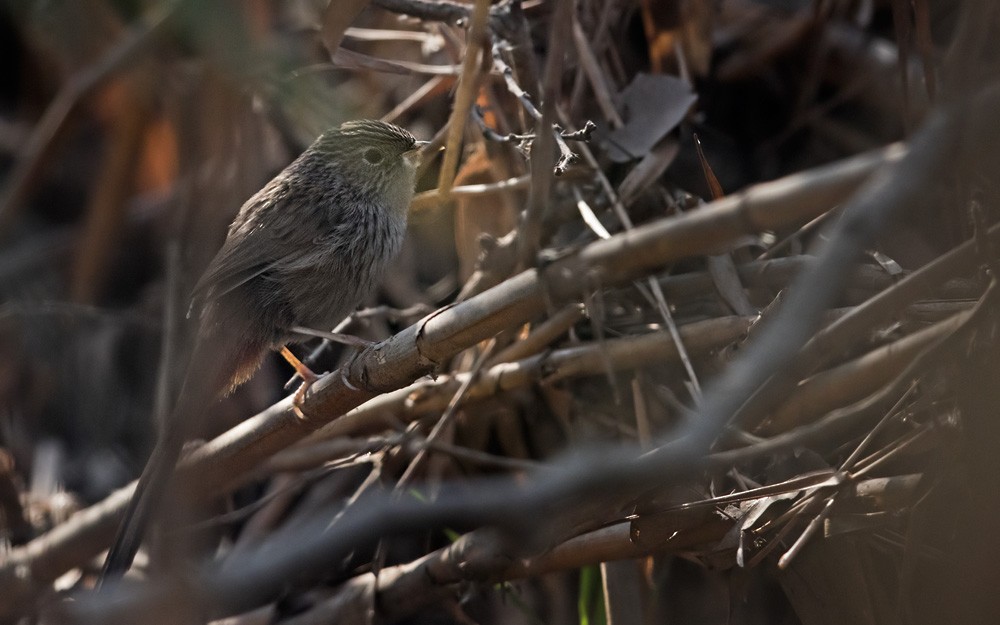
(438, 10)
(446, 418)
(468, 85)
(655, 293)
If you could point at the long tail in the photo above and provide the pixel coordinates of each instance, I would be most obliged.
(217, 361)
(148, 493)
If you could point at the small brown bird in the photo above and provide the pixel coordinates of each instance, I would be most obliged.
(302, 253)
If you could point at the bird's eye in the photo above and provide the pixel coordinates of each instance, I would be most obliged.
(373, 156)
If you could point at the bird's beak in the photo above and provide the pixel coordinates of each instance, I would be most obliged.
(413, 155)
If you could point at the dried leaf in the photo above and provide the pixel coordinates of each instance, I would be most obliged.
(713, 183)
(650, 168)
(651, 106)
(349, 59)
(727, 282)
(721, 267)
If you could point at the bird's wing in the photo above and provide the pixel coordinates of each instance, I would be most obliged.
(228, 271)
(261, 237)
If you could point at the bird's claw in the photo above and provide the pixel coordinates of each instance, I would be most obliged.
(300, 395)
(308, 379)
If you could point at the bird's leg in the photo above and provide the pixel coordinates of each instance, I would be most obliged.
(308, 379)
(303, 371)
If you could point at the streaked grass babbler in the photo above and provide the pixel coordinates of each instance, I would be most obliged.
(303, 252)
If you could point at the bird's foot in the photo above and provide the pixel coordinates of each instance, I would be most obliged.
(300, 396)
(308, 379)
